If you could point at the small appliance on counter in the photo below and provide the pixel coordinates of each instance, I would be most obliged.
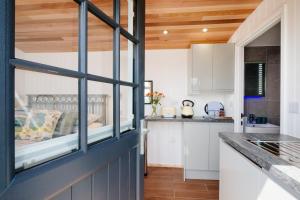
(168, 112)
(261, 120)
(187, 109)
(214, 109)
(252, 119)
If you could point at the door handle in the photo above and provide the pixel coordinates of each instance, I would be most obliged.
(244, 121)
(143, 137)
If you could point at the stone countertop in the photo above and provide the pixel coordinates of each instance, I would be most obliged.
(279, 170)
(194, 119)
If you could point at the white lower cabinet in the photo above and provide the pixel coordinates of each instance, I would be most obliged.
(201, 149)
(240, 179)
(165, 144)
(214, 146)
(272, 191)
(196, 139)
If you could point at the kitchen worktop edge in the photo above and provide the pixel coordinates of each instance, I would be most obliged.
(276, 168)
(194, 119)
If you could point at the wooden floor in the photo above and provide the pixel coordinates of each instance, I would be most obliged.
(168, 184)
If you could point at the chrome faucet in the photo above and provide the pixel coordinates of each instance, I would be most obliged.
(244, 122)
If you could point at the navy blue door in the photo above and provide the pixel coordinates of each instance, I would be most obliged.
(100, 158)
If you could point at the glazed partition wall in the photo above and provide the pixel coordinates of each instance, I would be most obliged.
(91, 88)
(73, 75)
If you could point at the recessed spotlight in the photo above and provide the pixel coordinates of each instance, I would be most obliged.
(165, 32)
(204, 30)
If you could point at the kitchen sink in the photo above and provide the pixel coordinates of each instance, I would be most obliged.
(262, 128)
(287, 150)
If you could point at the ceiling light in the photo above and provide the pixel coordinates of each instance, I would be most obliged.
(165, 32)
(204, 30)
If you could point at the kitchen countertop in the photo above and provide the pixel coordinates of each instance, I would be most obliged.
(194, 119)
(279, 170)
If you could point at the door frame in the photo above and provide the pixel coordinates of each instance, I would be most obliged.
(140, 61)
(9, 180)
(277, 17)
(6, 93)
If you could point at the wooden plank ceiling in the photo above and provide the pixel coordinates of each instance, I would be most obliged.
(52, 25)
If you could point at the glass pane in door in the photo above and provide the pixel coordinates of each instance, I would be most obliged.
(100, 111)
(106, 6)
(126, 60)
(100, 47)
(46, 117)
(128, 17)
(126, 109)
(47, 32)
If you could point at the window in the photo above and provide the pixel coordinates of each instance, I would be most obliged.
(47, 33)
(126, 62)
(100, 47)
(72, 80)
(126, 113)
(107, 6)
(100, 111)
(46, 117)
(128, 15)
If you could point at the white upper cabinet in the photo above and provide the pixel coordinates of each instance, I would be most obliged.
(212, 68)
(201, 76)
(223, 67)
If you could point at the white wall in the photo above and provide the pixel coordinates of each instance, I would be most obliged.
(269, 38)
(168, 70)
(262, 18)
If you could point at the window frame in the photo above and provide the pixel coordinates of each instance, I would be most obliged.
(7, 51)
(8, 64)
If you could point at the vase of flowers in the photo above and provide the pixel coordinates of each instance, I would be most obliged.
(155, 98)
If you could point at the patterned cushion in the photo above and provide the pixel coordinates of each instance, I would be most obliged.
(20, 120)
(40, 125)
(66, 124)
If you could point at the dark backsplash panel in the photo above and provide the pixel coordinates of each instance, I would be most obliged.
(268, 106)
